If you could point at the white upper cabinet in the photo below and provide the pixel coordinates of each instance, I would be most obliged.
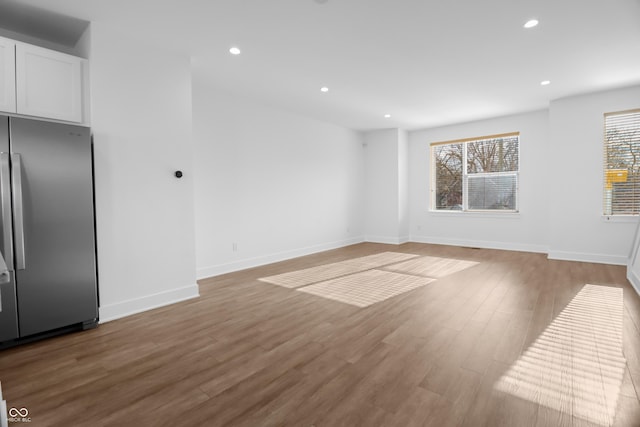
(48, 83)
(7, 75)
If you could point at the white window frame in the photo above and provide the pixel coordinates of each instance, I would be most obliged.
(465, 177)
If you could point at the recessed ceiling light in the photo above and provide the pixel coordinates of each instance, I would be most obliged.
(387, 116)
(234, 51)
(531, 23)
(324, 89)
(545, 82)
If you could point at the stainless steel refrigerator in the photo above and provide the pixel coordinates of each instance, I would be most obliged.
(47, 230)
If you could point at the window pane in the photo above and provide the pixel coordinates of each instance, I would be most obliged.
(622, 164)
(493, 155)
(448, 169)
(492, 192)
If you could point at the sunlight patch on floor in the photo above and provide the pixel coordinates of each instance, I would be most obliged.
(430, 266)
(576, 365)
(370, 279)
(366, 288)
(298, 278)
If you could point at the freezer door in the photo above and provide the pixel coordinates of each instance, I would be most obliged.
(54, 236)
(8, 313)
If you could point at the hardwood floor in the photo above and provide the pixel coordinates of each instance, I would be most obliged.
(250, 353)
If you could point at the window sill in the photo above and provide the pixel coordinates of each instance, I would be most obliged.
(476, 214)
(620, 218)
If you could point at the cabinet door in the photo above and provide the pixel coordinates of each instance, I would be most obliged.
(7, 75)
(48, 83)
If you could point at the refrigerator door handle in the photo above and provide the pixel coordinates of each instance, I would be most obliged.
(5, 209)
(18, 209)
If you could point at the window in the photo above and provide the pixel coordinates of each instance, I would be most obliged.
(476, 174)
(622, 163)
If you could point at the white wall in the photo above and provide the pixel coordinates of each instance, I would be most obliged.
(403, 186)
(527, 230)
(578, 228)
(270, 185)
(141, 121)
(381, 188)
(386, 159)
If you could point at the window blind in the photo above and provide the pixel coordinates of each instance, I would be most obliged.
(621, 192)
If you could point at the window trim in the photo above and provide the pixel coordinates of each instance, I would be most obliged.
(465, 195)
(477, 138)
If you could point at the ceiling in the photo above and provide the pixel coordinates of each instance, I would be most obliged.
(426, 63)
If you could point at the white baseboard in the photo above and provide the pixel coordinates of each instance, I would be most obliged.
(484, 244)
(551, 254)
(588, 257)
(137, 305)
(243, 264)
(634, 280)
(389, 240)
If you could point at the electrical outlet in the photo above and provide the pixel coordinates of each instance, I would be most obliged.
(234, 247)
